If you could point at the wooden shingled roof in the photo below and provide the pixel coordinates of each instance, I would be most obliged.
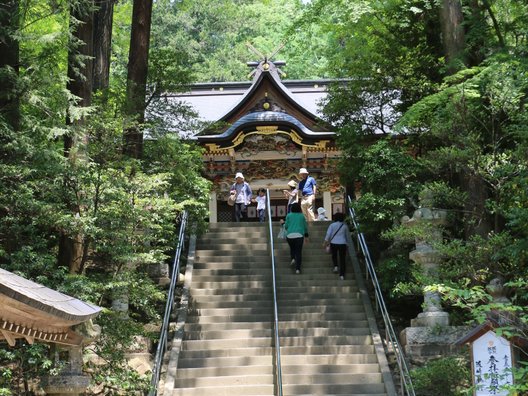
(267, 103)
(32, 311)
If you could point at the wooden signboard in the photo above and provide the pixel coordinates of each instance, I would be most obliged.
(492, 365)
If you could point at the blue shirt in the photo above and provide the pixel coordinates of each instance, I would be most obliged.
(306, 186)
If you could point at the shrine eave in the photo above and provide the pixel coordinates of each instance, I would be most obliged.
(46, 300)
(266, 118)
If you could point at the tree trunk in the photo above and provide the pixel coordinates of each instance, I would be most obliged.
(80, 69)
(477, 221)
(451, 19)
(9, 63)
(137, 77)
(103, 19)
(476, 49)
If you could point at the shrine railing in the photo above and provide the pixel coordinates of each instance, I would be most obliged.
(391, 338)
(162, 344)
(278, 368)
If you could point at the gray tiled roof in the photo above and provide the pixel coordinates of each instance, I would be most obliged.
(45, 299)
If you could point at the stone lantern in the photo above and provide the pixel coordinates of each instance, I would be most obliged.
(430, 335)
(428, 257)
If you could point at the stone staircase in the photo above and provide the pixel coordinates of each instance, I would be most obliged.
(325, 333)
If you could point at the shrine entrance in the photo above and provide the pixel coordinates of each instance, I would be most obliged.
(269, 133)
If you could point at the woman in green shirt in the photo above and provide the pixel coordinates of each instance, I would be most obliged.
(296, 230)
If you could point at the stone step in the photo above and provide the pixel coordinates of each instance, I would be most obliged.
(235, 254)
(334, 389)
(330, 360)
(252, 379)
(283, 309)
(258, 333)
(295, 282)
(290, 363)
(332, 378)
(282, 317)
(285, 350)
(224, 370)
(222, 353)
(334, 324)
(226, 361)
(283, 274)
(234, 390)
(301, 301)
(262, 342)
(341, 288)
(232, 380)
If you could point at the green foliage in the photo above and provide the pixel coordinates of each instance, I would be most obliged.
(215, 34)
(21, 364)
(451, 375)
(396, 275)
(126, 212)
(388, 178)
(110, 370)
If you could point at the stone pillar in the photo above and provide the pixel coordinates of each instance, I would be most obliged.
(327, 204)
(71, 381)
(213, 208)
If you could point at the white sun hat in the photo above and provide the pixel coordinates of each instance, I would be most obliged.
(303, 170)
(239, 174)
(321, 210)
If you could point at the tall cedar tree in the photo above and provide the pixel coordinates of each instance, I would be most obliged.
(9, 62)
(102, 42)
(73, 249)
(137, 77)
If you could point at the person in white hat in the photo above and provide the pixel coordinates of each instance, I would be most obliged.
(242, 193)
(291, 194)
(321, 214)
(307, 191)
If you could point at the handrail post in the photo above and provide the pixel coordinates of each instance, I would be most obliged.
(278, 368)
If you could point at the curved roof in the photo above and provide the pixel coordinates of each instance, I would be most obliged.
(267, 69)
(33, 311)
(265, 118)
(45, 299)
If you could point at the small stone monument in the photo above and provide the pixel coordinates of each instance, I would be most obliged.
(430, 335)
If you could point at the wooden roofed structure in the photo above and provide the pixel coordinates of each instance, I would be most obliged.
(36, 313)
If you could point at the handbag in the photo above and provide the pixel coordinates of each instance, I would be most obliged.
(282, 233)
(231, 199)
(328, 248)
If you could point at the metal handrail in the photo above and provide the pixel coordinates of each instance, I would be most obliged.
(278, 368)
(405, 377)
(162, 344)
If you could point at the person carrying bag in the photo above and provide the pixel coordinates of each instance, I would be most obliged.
(336, 240)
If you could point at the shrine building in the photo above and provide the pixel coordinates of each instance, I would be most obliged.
(267, 129)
